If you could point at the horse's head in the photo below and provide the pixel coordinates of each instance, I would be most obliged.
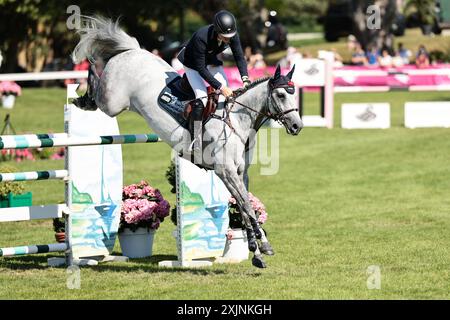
(282, 103)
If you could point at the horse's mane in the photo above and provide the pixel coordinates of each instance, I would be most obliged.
(241, 91)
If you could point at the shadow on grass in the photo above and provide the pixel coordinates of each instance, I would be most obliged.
(24, 262)
(149, 265)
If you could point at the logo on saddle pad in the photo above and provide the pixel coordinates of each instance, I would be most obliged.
(166, 97)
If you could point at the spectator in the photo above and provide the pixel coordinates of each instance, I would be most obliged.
(403, 53)
(247, 53)
(276, 34)
(338, 61)
(258, 60)
(351, 43)
(372, 56)
(385, 60)
(397, 61)
(359, 57)
(422, 58)
(254, 60)
(292, 55)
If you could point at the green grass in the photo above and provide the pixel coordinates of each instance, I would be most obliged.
(342, 200)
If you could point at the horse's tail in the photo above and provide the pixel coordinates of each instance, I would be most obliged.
(101, 38)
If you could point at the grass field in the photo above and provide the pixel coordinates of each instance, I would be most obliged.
(343, 200)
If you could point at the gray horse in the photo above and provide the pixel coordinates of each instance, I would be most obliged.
(133, 78)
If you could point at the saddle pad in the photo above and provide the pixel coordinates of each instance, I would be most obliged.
(168, 101)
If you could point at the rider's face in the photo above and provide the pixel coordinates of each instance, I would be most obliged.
(224, 39)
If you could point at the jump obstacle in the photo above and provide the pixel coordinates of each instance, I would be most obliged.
(91, 209)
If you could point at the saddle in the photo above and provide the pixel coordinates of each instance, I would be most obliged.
(211, 104)
(177, 99)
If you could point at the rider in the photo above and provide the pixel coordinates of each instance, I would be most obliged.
(200, 61)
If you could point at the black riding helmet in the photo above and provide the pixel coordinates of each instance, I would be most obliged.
(225, 23)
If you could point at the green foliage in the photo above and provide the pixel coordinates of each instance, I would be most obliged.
(45, 153)
(171, 176)
(440, 56)
(15, 187)
(423, 8)
(59, 225)
(303, 14)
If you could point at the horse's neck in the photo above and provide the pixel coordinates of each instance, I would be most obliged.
(256, 99)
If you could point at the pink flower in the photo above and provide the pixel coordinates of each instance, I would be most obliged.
(262, 217)
(163, 209)
(8, 87)
(257, 206)
(143, 206)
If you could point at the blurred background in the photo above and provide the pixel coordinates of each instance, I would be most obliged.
(34, 36)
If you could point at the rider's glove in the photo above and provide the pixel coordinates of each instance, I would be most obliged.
(246, 81)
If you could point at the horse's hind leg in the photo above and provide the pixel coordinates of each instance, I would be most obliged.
(236, 187)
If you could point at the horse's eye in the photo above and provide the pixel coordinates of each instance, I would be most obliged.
(280, 95)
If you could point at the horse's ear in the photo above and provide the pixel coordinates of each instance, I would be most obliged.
(290, 74)
(277, 72)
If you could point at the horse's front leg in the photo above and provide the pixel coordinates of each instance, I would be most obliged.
(265, 246)
(237, 189)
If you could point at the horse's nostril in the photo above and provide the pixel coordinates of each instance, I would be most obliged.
(295, 126)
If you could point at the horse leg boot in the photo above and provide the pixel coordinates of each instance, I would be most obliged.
(265, 246)
(87, 101)
(257, 259)
(197, 130)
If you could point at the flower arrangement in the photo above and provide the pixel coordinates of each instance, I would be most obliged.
(10, 88)
(235, 215)
(143, 207)
(17, 155)
(20, 155)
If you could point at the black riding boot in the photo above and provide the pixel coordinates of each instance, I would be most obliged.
(197, 129)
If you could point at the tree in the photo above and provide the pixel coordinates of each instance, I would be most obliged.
(379, 35)
(25, 25)
(247, 12)
(424, 12)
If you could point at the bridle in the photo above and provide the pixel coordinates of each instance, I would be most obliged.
(278, 115)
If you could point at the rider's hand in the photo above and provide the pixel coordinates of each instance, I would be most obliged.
(227, 92)
(246, 81)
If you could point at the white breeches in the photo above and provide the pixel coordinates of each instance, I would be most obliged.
(199, 85)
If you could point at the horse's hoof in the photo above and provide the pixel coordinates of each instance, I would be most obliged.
(266, 248)
(258, 262)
